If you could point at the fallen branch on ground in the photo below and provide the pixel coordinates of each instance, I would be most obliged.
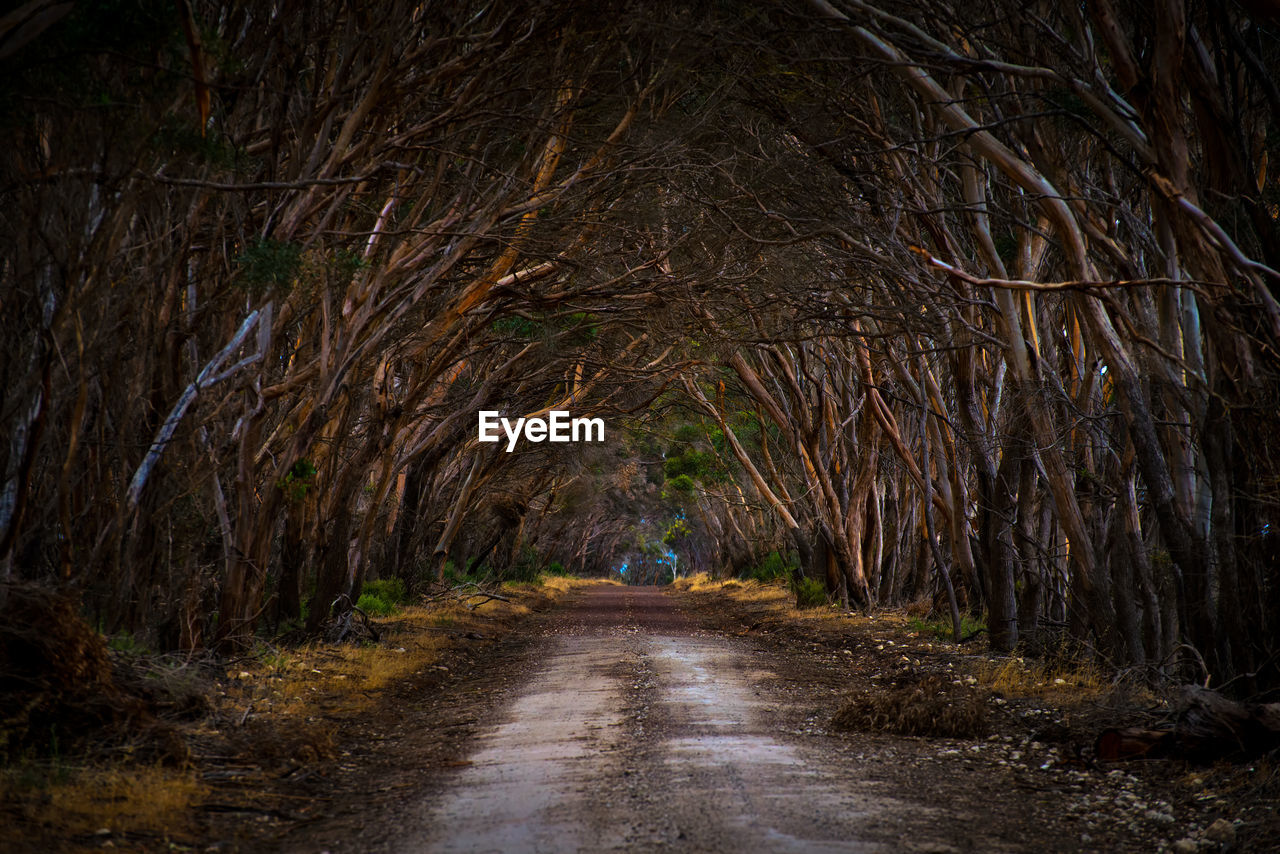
(464, 594)
(1206, 727)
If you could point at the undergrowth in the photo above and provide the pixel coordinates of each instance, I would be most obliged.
(382, 597)
(936, 705)
(810, 593)
(1065, 674)
(86, 801)
(805, 594)
(740, 590)
(1062, 680)
(773, 568)
(941, 627)
(273, 709)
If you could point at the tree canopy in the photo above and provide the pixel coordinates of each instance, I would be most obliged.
(970, 301)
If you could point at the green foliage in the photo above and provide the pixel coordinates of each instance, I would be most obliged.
(390, 590)
(810, 593)
(374, 605)
(345, 263)
(676, 531)
(451, 574)
(941, 628)
(471, 573)
(528, 567)
(279, 662)
(381, 596)
(687, 434)
(581, 325)
(681, 483)
(699, 464)
(685, 459)
(556, 569)
(517, 327)
(746, 426)
(774, 568)
(267, 264)
(585, 327)
(297, 480)
(718, 442)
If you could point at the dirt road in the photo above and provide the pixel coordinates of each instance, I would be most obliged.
(636, 731)
(616, 723)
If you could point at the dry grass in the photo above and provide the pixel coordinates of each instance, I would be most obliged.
(775, 597)
(701, 582)
(86, 801)
(561, 584)
(740, 591)
(936, 706)
(275, 708)
(1061, 682)
(1066, 677)
(346, 678)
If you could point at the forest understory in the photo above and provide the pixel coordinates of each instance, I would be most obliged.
(227, 750)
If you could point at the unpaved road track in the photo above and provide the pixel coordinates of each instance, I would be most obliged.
(615, 723)
(636, 731)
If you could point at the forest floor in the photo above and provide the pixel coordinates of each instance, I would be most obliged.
(709, 717)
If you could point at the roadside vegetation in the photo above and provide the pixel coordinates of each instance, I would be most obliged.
(1046, 718)
(215, 733)
(1064, 674)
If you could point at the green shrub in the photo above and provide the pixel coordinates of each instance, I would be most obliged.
(389, 590)
(298, 480)
(774, 568)
(127, 643)
(680, 483)
(374, 605)
(810, 593)
(471, 572)
(381, 596)
(687, 433)
(940, 628)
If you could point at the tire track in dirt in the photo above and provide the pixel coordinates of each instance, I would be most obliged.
(637, 731)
